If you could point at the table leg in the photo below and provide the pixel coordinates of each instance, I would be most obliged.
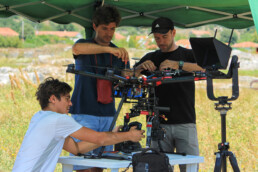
(191, 168)
(114, 169)
(67, 168)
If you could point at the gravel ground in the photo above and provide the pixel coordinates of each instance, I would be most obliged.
(47, 65)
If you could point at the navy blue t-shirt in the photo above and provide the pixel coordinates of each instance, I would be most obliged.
(84, 96)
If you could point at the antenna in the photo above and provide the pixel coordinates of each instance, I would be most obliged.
(230, 37)
(215, 33)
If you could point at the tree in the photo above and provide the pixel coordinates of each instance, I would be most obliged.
(28, 30)
(225, 35)
(67, 27)
(10, 42)
(248, 34)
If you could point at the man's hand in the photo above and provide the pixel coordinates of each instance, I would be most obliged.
(168, 64)
(136, 135)
(147, 65)
(127, 72)
(130, 72)
(120, 53)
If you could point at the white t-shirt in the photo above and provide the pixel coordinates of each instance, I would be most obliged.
(43, 141)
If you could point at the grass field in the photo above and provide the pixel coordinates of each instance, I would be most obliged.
(17, 105)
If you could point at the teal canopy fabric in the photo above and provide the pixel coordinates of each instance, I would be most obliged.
(254, 9)
(185, 13)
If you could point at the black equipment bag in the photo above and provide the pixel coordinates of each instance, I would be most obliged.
(153, 161)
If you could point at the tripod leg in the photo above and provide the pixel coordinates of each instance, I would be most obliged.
(218, 162)
(233, 162)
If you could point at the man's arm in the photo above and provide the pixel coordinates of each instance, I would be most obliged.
(91, 48)
(190, 67)
(107, 138)
(81, 147)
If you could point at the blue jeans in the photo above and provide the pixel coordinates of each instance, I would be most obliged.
(97, 123)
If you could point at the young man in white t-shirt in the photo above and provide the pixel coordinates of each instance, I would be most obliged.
(50, 131)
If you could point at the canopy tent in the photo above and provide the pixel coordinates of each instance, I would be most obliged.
(185, 13)
(254, 9)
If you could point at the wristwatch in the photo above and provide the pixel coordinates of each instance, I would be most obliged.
(180, 65)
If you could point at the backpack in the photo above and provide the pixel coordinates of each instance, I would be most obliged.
(153, 161)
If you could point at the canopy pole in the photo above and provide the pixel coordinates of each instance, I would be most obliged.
(89, 32)
(215, 33)
(230, 37)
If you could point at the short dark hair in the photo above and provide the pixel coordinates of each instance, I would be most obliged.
(50, 87)
(105, 15)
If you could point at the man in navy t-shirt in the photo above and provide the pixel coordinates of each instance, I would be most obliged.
(100, 52)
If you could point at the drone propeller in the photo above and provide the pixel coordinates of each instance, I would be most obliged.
(158, 77)
(98, 67)
(125, 72)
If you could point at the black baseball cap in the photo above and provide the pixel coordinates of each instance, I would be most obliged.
(162, 25)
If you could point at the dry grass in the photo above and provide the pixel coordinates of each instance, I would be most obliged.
(17, 105)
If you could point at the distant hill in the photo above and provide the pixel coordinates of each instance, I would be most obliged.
(22, 25)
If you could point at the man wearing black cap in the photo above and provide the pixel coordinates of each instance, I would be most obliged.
(181, 134)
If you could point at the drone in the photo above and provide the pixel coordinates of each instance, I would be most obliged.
(141, 92)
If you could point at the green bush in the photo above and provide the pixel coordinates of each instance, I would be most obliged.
(133, 43)
(120, 43)
(249, 35)
(37, 41)
(10, 42)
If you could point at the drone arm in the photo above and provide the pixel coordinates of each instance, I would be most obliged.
(179, 79)
(167, 80)
(117, 77)
(70, 69)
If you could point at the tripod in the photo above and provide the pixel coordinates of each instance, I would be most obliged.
(221, 157)
(223, 106)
